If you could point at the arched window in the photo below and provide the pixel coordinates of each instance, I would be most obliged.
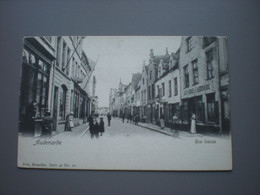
(62, 110)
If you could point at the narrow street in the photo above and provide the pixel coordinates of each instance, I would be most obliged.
(127, 146)
(117, 128)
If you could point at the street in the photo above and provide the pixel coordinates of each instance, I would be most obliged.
(125, 146)
(117, 128)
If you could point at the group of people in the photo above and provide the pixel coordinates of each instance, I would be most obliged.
(174, 121)
(130, 118)
(97, 125)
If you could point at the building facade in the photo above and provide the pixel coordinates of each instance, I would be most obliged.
(203, 70)
(36, 78)
(168, 88)
(193, 80)
(54, 70)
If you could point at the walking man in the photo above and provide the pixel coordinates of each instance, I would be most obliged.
(109, 118)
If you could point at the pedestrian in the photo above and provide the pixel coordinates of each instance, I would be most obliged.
(193, 123)
(95, 132)
(69, 122)
(136, 119)
(123, 118)
(101, 126)
(47, 125)
(91, 124)
(128, 117)
(174, 121)
(109, 118)
(162, 121)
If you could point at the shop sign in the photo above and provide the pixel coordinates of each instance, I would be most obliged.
(197, 90)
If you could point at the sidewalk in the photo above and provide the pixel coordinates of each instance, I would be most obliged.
(75, 131)
(168, 131)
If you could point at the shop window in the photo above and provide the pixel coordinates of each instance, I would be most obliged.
(175, 86)
(82, 106)
(76, 105)
(209, 58)
(189, 43)
(212, 108)
(197, 107)
(195, 72)
(186, 76)
(186, 114)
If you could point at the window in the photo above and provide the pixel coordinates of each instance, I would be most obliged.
(68, 59)
(189, 45)
(158, 91)
(195, 72)
(58, 52)
(34, 84)
(186, 77)
(163, 89)
(170, 88)
(76, 104)
(63, 54)
(175, 86)
(209, 58)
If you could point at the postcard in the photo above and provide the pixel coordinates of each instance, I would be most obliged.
(150, 103)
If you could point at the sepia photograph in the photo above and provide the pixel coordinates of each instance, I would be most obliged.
(152, 103)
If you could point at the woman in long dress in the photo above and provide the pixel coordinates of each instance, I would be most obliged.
(193, 123)
(162, 121)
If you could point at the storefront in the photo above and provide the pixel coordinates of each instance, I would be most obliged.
(205, 109)
(80, 105)
(34, 89)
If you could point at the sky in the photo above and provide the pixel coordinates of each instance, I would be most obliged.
(118, 57)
